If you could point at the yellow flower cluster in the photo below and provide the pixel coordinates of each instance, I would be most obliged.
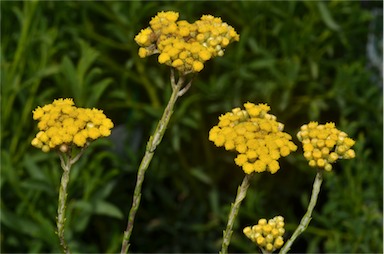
(62, 124)
(182, 45)
(268, 235)
(255, 135)
(324, 144)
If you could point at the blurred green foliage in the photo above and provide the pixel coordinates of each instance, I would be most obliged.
(308, 60)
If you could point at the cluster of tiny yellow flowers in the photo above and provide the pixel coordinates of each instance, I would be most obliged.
(255, 135)
(182, 45)
(324, 144)
(62, 124)
(268, 235)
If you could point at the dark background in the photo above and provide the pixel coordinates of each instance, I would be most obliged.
(310, 61)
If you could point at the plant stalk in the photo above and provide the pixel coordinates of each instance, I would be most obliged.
(66, 164)
(153, 142)
(308, 215)
(241, 193)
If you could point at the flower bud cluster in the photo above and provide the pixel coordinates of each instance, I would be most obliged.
(61, 124)
(324, 144)
(268, 235)
(182, 45)
(255, 135)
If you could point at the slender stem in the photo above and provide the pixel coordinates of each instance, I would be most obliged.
(153, 142)
(77, 157)
(308, 215)
(66, 165)
(241, 193)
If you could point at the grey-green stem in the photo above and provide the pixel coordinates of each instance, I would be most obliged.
(308, 215)
(241, 193)
(66, 164)
(178, 89)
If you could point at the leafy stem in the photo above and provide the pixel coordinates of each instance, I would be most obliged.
(66, 163)
(308, 215)
(241, 193)
(178, 89)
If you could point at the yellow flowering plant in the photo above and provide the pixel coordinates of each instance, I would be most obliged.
(69, 130)
(259, 140)
(323, 144)
(184, 47)
(268, 235)
(255, 135)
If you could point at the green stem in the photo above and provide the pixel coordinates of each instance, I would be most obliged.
(241, 193)
(66, 165)
(308, 215)
(153, 142)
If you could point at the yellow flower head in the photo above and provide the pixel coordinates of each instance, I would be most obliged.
(62, 124)
(183, 45)
(324, 144)
(268, 235)
(255, 135)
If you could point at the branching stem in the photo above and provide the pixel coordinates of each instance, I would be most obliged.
(308, 215)
(241, 193)
(66, 165)
(153, 142)
(66, 162)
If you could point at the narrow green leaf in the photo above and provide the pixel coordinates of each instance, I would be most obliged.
(33, 169)
(88, 57)
(199, 174)
(97, 90)
(70, 78)
(327, 17)
(18, 223)
(262, 64)
(108, 209)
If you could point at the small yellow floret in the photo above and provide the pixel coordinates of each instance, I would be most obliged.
(273, 166)
(247, 230)
(205, 55)
(285, 151)
(94, 133)
(107, 123)
(278, 242)
(197, 66)
(104, 131)
(349, 142)
(177, 63)
(259, 166)
(241, 159)
(229, 145)
(248, 168)
(269, 247)
(142, 52)
(163, 57)
(37, 143)
(38, 113)
(350, 154)
(79, 140)
(45, 148)
(260, 240)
